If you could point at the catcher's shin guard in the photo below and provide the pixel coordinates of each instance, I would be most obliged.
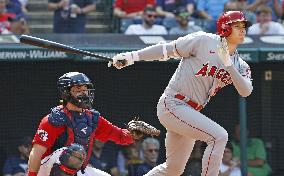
(70, 161)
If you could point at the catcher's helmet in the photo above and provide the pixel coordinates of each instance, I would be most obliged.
(70, 161)
(67, 81)
(223, 23)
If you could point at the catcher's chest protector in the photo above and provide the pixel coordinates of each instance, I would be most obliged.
(80, 128)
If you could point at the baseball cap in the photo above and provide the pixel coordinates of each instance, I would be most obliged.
(26, 141)
(182, 12)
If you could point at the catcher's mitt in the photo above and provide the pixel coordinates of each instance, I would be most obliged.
(139, 128)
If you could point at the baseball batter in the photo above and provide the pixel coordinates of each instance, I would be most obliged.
(208, 63)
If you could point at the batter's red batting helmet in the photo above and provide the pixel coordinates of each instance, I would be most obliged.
(223, 23)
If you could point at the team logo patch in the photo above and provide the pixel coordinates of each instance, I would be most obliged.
(43, 135)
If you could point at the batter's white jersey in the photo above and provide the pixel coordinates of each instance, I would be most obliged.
(201, 73)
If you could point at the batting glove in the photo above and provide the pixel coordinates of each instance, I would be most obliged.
(124, 59)
(223, 53)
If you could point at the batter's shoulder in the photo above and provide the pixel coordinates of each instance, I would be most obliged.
(204, 36)
(212, 37)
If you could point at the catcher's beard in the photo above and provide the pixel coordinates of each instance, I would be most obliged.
(81, 101)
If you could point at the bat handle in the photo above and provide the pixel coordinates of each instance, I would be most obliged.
(123, 62)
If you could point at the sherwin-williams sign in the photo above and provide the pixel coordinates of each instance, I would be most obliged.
(255, 49)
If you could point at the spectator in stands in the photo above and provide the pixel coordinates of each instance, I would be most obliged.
(194, 164)
(12, 20)
(229, 166)
(273, 4)
(210, 10)
(5, 25)
(129, 155)
(130, 11)
(24, 4)
(70, 15)
(104, 158)
(19, 25)
(14, 6)
(121, 161)
(129, 158)
(151, 147)
(256, 154)
(230, 6)
(17, 165)
(147, 27)
(18, 22)
(185, 26)
(167, 8)
(242, 6)
(265, 25)
(133, 158)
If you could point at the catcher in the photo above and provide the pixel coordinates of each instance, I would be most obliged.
(63, 141)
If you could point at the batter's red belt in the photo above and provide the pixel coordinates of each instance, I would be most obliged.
(191, 103)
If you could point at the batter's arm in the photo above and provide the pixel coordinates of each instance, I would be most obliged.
(162, 51)
(180, 48)
(242, 83)
(183, 47)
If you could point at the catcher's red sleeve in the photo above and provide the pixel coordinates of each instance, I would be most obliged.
(107, 131)
(46, 135)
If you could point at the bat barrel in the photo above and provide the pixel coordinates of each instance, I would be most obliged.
(58, 47)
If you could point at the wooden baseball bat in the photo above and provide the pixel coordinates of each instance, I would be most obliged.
(59, 47)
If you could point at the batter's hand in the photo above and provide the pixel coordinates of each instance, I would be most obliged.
(122, 60)
(223, 52)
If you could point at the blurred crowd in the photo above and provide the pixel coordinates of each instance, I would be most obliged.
(148, 17)
(12, 17)
(182, 17)
(140, 157)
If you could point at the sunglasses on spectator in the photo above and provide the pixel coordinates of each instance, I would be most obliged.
(151, 16)
(153, 150)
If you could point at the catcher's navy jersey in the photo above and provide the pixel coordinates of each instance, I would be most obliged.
(48, 133)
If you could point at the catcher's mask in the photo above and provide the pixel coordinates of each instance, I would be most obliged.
(224, 22)
(67, 81)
